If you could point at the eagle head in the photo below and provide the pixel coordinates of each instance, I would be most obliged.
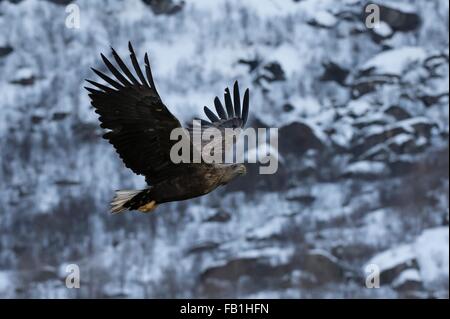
(240, 169)
(231, 171)
(237, 170)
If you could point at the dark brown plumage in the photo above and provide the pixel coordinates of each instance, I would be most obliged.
(138, 125)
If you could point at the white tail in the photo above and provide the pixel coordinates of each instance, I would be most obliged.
(122, 196)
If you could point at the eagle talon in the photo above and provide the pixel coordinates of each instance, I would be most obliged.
(148, 207)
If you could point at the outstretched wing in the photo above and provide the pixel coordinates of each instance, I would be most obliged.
(232, 117)
(138, 122)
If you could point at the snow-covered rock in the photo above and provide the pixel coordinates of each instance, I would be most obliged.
(366, 169)
(393, 262)
(323, 19)
(423, 262)
(383, 30)
(7, 284)
(432, 251)
(395, 61)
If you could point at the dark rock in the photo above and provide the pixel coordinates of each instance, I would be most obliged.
(86, 131)
(220, 217)
(287, 107)
(421, 126)
(368, 84)
(24, 81)
(203, 247)
(434, 62)
(36, 119)
(367, 142)
(298, 137)
(404, 144)
(418, 126)
(167, 7)
(304, 199)
(45, 273)
(58, 116)
(247, 273)
(409, 280)
(15, 1)
(430, 100)
(334, 72)
(252, 64)
(6, 50)
(66, 182)
(379, 152)
(276, 72)
(324, 266)
(393, 262)
(233, 269)
(398, 112)
(252, 273)
(351, 251)
(60, 2)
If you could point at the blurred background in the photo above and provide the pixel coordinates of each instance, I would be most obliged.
(363, 118)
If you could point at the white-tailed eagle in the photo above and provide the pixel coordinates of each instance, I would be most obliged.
(138, 125)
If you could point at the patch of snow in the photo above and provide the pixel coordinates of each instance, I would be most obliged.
(375, 222)
(403, 254)
(23, 73)
(133, 11)
(304, 107)
(317, 131)
(367, 167)
(432, 250)
(288, 57)
(359, 107)
(6, 284)
(395, 61)
(409, 123)
(325, 19)
(401, 139)
(382, 29)
(272, 227)
(324, 253)
(344, 132)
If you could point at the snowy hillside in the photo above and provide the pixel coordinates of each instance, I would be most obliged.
(363, 119)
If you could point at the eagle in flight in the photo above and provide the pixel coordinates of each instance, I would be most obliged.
(138, 125)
